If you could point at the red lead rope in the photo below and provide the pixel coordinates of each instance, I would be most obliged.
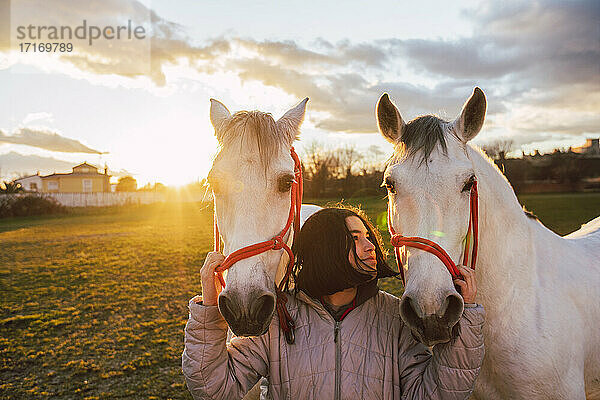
(276, 243)
(429, 246)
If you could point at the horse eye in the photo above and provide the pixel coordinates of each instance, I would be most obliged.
(389, 184)
(469, 184)
(284, 184)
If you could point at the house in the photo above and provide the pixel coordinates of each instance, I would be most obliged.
(32, 183)
(85, 178)
(591, 147)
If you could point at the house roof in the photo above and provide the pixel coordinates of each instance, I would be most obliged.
(94, 172)
(80, 174)
(85, 164)
(25, 177)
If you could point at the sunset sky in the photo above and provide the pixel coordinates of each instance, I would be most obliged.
(145, 105)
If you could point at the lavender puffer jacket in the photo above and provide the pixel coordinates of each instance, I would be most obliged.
(370, 354)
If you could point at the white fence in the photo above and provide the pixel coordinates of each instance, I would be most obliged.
(103, 199)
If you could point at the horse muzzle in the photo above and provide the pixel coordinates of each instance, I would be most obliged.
(434, 328)
(247, 315)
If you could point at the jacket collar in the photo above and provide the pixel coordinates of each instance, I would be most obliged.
(364, 293)
(305, 298)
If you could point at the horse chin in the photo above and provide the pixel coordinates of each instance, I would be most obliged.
(431, 332)
(250, 328)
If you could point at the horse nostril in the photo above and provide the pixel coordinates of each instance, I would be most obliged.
(454, 308)
(227, 308)
(263, 307)
(410, 312)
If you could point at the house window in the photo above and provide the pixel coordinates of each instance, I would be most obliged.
(87, 185)
(33, 186)
(53, 185)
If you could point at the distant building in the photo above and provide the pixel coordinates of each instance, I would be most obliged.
(85, 178)
(591, 147)
(32, 183)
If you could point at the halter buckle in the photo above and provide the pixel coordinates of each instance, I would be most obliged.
(290, 337)
(278, 243)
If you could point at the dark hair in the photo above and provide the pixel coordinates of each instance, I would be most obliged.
(322, 247)
(423, 134)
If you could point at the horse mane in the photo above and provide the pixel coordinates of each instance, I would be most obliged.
(422, 134)
(253, 128)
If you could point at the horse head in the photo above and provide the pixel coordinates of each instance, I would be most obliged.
(251, 179)
(429, 178)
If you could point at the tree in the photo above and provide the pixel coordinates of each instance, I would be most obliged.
(373, 160)
(319, 164)
(347, 159)
(565, 168)
(497, 149)
(348, 156)
(10, 188)
(156, 187)
(127, 184)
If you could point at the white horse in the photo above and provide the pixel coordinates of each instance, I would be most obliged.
(251, 179)
(541, 292)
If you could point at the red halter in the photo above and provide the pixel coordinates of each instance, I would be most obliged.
(429, 246)
(276, 243)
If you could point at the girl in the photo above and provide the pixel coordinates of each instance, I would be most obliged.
(350, 342)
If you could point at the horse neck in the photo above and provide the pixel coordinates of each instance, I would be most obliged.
(505, 255)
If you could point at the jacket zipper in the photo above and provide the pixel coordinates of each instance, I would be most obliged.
(338, 361)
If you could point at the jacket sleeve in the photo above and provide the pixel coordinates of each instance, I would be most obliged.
(449, 372)
(214, 369)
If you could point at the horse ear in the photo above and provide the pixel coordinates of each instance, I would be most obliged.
(290, 123)
(389, 121)
(472, 116)
(218, 113)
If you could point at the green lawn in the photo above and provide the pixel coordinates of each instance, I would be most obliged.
(563, 212)
(94, 303)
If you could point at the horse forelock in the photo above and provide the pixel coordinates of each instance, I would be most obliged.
(421, 135)
(249, 131)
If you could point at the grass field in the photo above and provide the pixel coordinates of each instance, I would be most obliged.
(94, 303)
(563, 213)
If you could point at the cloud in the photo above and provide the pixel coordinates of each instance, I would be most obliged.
(339, 54)
(38, 117)
(45, 139)
(463, 58)
(14, 164)
(338, 77)
(348, 99)
(542, 56)
(541, 44)
(169, 45)
(534, 120)
(165, 42)
(539, 56)
(331, 94)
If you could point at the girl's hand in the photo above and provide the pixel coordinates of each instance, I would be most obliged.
(468, 288)
(211, 286)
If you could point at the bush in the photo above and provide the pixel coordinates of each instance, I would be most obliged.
(30, 204)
